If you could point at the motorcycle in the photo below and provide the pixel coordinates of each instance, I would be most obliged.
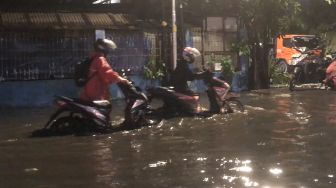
(307, 69)
(330, 79)
(331, 82)
(75, 116)
(179, 104)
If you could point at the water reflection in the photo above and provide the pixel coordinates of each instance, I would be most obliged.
(331, 116)
(284, 140)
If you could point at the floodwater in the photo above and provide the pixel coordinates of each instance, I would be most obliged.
(283, 140)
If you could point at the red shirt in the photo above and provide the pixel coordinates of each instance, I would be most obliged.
(331, 70)
(102, 75)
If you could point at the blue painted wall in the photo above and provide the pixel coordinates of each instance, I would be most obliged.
(41, 93)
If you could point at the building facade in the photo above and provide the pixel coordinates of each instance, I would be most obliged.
(38, 50)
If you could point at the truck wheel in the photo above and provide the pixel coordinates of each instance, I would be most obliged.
(281, 66)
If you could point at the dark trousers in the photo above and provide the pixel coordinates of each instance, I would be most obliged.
(214, 104)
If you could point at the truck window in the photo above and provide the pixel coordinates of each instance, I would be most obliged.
(287, 42)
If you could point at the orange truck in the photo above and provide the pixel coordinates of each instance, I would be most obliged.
(288, 47)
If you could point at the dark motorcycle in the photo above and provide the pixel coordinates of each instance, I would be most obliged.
(75, 116)
(307, 69)
(179, 104)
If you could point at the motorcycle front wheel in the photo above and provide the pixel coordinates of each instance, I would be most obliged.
(233, 105)
(292, 84)
(146, 117)
(296, 78)
(152, 117)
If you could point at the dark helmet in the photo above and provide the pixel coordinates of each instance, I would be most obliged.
(104, 45)
(190, 53)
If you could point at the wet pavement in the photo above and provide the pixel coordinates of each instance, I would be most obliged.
(283, 140)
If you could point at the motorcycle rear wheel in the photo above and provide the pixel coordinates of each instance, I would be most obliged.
(64, 126)
(281, 66)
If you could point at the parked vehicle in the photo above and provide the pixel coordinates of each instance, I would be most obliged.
(308, 69)
(179, 104)
(75, 116)
(289, 48)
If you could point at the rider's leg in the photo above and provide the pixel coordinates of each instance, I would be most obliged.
(227, 89)
(214, 106)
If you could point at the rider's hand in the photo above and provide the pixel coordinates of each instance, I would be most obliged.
(123, 80)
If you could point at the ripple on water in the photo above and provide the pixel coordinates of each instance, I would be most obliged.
(157, 164)
(31, 170)
(12, 140)
(255, 108)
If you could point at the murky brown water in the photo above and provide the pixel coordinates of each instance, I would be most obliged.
(284, 140)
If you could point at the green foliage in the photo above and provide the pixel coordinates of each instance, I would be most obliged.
(319, 16)
(225, 61)
(277, 76)
(331, 1)
(154, 70)
(268, 18)
(242, 48)
(227, 68)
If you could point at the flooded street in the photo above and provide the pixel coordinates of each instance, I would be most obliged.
(283, 140)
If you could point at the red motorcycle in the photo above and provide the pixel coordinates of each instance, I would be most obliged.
(330, 79)
(180, 104)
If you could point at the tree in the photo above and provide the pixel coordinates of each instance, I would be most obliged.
(263, 20)
(319, 15)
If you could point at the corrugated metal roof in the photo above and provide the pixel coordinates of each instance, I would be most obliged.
(120, 19)
(99, 19)
(43, 18)
(64, 20)
(71, 19)
(13, 18)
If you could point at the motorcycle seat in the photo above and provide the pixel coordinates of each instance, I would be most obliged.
(102, 103)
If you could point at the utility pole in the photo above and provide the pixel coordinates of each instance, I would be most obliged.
(181, 27)
(174, 30)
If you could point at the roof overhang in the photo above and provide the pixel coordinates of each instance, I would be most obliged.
(43, 20)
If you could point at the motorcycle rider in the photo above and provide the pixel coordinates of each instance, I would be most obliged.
(101, 76)
(330, 74)
(215, 100)
(182, 74)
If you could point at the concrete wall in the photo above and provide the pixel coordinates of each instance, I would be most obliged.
(42, 92)
(34, 93)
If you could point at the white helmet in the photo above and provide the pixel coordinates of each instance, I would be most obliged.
(104, 45)
(190, 53)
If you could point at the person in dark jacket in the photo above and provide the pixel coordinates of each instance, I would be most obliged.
(182, 74)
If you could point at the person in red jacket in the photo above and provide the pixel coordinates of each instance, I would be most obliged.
(101, 74)
(331, 75)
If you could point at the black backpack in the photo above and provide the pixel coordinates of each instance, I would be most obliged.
(82, 69)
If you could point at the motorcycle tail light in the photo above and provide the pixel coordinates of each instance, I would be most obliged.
(61, 103)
